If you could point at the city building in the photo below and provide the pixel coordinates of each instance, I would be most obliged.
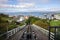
(57, 16)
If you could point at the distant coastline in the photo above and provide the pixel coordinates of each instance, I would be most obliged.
(30, 13)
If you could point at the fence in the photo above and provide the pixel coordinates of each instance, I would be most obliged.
(56, 36)
(46, 32)
(11, 32)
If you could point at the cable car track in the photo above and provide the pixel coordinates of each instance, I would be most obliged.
(29, 34)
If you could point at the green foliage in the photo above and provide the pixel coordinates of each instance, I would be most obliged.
(55, 23)
(4, 24)
(11, 26)
(3, 27)
(21, 24)
(3, 15)
(41, 24)
(44, 23)
(32, 19)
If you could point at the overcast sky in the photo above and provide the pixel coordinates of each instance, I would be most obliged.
(29, 5)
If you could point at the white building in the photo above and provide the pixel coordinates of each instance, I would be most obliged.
(57, 16)
(20, 18)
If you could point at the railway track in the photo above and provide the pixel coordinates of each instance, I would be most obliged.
(29, 34)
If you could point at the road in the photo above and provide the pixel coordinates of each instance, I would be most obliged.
(29, 33)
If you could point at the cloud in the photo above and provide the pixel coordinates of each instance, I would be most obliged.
(21, 5)
(50, 9)
(26, 5)
(46, 9)
(54, 9)
(35, 1)
(3, 1)
(45, 1)
(16, 8)
(29, 10)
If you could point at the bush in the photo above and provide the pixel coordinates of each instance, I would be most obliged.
(41, 24)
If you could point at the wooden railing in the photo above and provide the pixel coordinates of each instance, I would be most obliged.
(11, 32)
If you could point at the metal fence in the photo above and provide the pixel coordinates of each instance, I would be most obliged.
(56, 35)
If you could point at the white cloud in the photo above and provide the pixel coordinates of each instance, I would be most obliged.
(14, 10)
(21, 5)
(54, 9)
(45, 1)
(17, 9)
(3, 1)
(26, 5)
(35, 1)
(45, 9)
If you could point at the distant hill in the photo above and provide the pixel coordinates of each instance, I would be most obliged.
(30, 13)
